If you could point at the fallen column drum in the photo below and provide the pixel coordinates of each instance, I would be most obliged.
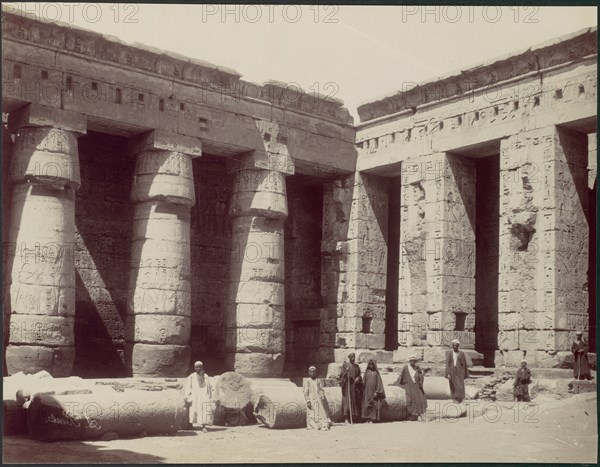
(89, 416)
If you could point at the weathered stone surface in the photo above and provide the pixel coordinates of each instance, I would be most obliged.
(157, 140)
(45, 155)
(35, 115)
(255, 364)
(90, 416)
(158, 359)
(159, 329)
(33, 358)
(41, 330)
(164, 175)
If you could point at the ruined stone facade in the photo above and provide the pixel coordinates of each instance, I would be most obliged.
(159, 209)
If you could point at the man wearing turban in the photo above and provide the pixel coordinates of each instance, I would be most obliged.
(351, 382)
(456, 371)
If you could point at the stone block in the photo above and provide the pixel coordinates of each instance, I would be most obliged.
(255, 364)
(42, 300)
(375, 341)
(256, 292)
(253, 340)
(58, 361)
(34, 115)
(434, 354)
(163, 175)
(159, 329)
(380, 356)
(158, 140)
(402, 354)
(46, 155)
(508, 340)
(255, 316)
(264, 204)
(158, 360)
(41, 330)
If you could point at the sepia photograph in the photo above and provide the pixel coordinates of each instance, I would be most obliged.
(299, 233)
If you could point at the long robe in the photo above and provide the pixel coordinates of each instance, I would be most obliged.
(457, 374)
(581, 368)
(199, 395)
(413, 388)
(373, 395)
(317, 416)
(521, 384)
(351, 390)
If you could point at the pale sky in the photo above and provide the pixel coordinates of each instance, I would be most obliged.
(356, 53)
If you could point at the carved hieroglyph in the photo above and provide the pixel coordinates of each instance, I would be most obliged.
(437, 262)
(41, 296)
(159, 313)
(543, 294)
(255, 337)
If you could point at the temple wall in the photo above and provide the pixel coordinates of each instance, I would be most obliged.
(355, 229)
(303, 269)
(211, 255)
(103, 216)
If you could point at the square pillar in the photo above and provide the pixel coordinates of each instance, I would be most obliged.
(543, 296)
(437, 254)
(354, 253)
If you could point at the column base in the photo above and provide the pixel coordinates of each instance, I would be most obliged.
(58, 361)
(160, 360)
(258, 365)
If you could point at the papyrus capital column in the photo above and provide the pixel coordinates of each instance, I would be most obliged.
(255, 320)
(159, 306)
(41, 272)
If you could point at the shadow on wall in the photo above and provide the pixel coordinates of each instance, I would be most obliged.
(103, 218)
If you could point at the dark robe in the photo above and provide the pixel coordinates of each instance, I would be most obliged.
(581, 368)
(521, 384)
(351, 390)
(457, 374)
(373, 395)
(415, 395)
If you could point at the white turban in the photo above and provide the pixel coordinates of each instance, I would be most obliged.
(455, 341)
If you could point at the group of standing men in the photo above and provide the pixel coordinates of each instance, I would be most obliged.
(363, 396)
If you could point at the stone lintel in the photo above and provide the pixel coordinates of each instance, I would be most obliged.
(262, 160)
(159, 140)
(35, 115)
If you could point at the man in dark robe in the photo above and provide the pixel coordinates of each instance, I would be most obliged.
(351, 382)
(521, 384)
(373, 393)
(581, 368)
(411, 379)
(456, 371)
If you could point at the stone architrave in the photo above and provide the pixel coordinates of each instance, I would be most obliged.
(543, 297)
(158, 321)
(255, 318)
(437, 252)
(41, 269)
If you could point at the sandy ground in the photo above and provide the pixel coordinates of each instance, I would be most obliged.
(552, 431)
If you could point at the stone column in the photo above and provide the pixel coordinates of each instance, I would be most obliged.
(255, 319)
(354, 258)
(437, 255)
(543, 294)
(159, 307)
(41, 272)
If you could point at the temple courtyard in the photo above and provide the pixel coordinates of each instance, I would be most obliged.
(548, 431)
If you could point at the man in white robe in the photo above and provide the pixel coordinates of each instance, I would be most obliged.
(198, 396)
